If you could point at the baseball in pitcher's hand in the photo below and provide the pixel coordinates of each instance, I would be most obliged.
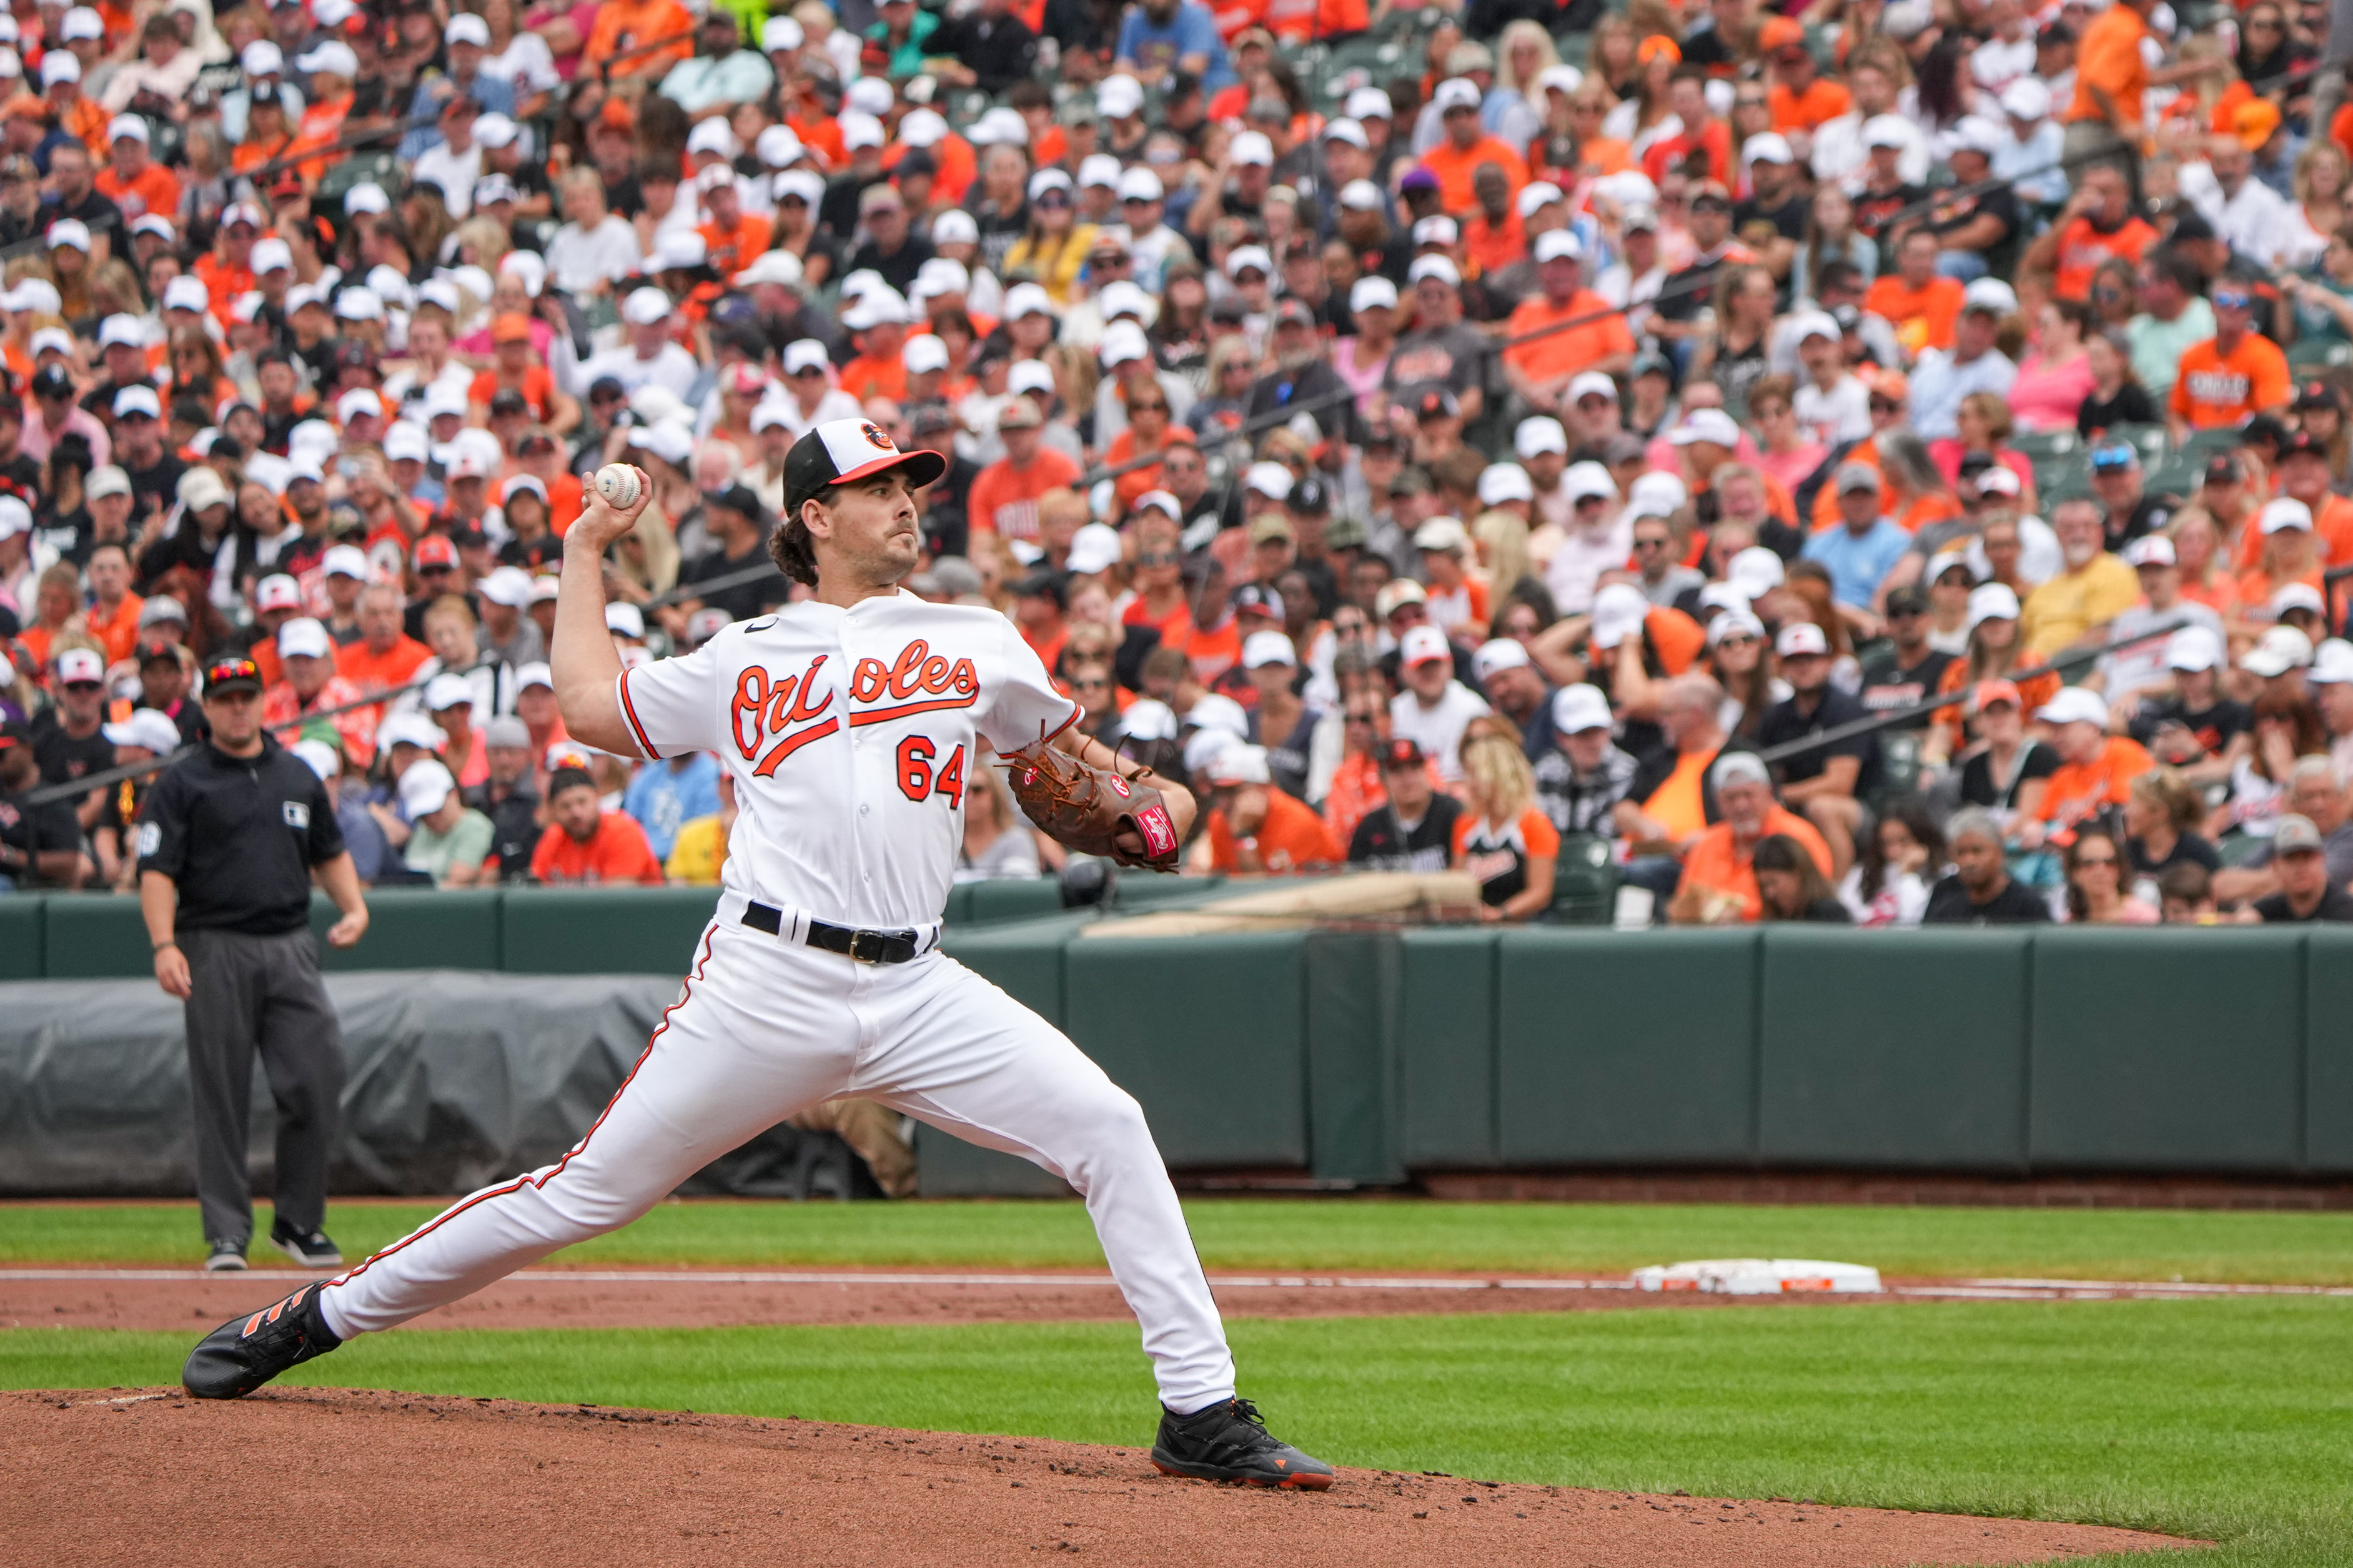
(600, 521)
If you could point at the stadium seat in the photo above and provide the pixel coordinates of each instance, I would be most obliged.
(2150, 440)
(1899, 763)
(1584, 882)
(2204, 445)
(2323, 355)
(2175, 475)
(2039, 447)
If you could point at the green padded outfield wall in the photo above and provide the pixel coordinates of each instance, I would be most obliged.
(1358, 1057)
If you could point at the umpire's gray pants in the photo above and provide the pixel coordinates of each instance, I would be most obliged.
(250, 992)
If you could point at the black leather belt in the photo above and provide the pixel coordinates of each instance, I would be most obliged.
(865, 946)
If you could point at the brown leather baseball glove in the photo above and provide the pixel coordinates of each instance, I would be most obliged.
(1087, 808)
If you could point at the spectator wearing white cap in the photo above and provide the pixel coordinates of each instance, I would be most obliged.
(132, 180)
(1774, 199)
(1831, 403)
(2122, 676)
(1977, 229)
(1434, 708)
(449, 841)
(2031, 142)
(650, 357)
(1540, 373)
(305, 651)
(1942, 377)
(1599, 537)
(1583, 773)
(1825, 785)
(465, 42)
(2196, 728)
(1442, 352)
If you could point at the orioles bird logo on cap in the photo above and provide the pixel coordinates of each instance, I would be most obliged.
(874, 436)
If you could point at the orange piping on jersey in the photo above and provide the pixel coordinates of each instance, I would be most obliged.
(878, 715)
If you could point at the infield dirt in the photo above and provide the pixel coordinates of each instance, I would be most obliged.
(340, 1476)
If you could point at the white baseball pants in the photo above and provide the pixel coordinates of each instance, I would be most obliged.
(766, 1026)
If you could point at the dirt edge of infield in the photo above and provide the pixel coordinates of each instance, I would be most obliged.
(349, 1475)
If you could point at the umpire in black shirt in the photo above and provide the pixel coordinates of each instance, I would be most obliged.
(229, 840)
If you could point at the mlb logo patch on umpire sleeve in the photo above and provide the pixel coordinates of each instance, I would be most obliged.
(297, 814)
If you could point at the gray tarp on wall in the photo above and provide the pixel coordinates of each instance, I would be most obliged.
(458, 1079)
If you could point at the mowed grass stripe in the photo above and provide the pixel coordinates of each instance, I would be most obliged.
(1362, 1235)
(2228, 1420)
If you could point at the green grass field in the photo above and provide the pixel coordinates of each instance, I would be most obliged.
(1288, 1233)
(2229, 1420)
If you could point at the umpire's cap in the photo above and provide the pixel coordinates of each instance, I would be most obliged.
(840, 450)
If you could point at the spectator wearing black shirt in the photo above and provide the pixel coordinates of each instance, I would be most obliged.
(2007, 772)
(2117, 479)
(1414, 830)
(68, 738)
(1908, 672)
(890, 248)
(1772, 221)
(2162, 816)
(1688, 289)
(507, 798)
(992, 47)
(74, 196)
(1823, 785)
(2306, 895)
(947, 527)
(1977, 225)
(1981, 891)
(738, 525)
(38, 844)
(141, 451)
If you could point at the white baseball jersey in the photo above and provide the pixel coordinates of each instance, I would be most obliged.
(851, 735)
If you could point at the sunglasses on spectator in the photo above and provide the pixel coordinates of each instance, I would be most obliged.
(1884, 405)
(1584, 501)
(1638, 543)
(1905, 613)
(1147, 408)
(1158, 558)
(2230, 300)
(1091, 683)
(2086, 862)
(1363, 719)
(1737, 640)
(1052, 199)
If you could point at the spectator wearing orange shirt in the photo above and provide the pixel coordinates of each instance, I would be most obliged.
(2096, 769)
(731, 237)
(1004, 498)
(2097, 226)
(382, 656)
(1800, 98)
(1719, 879)
(2111, 76)
(879, 370)
(1921, 306)
(586, 843)
(1539, 371)
(1701, 131)
(133, 181)
(77, 114)
(1256, 829)
(112, 616)
(625, 25)
(516, 368)
(1455, 161)
(2233, 375)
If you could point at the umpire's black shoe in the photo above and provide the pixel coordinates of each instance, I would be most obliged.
(246, 1353)
(226, 1256)
(1229, 1442)
(312, 1249)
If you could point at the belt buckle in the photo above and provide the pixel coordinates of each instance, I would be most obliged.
(866, 946)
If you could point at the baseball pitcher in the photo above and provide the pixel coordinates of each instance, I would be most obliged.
(852, 724)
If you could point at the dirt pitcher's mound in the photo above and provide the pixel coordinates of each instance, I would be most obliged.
(338, 1476)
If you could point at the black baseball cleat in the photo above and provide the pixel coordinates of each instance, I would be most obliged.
(312, 1249)
(1229, 1442)
(246, 1353)
(226, 1256)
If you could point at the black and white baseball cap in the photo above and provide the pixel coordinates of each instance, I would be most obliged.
(840, 450)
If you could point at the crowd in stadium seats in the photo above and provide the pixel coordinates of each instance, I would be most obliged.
(1527, 438)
